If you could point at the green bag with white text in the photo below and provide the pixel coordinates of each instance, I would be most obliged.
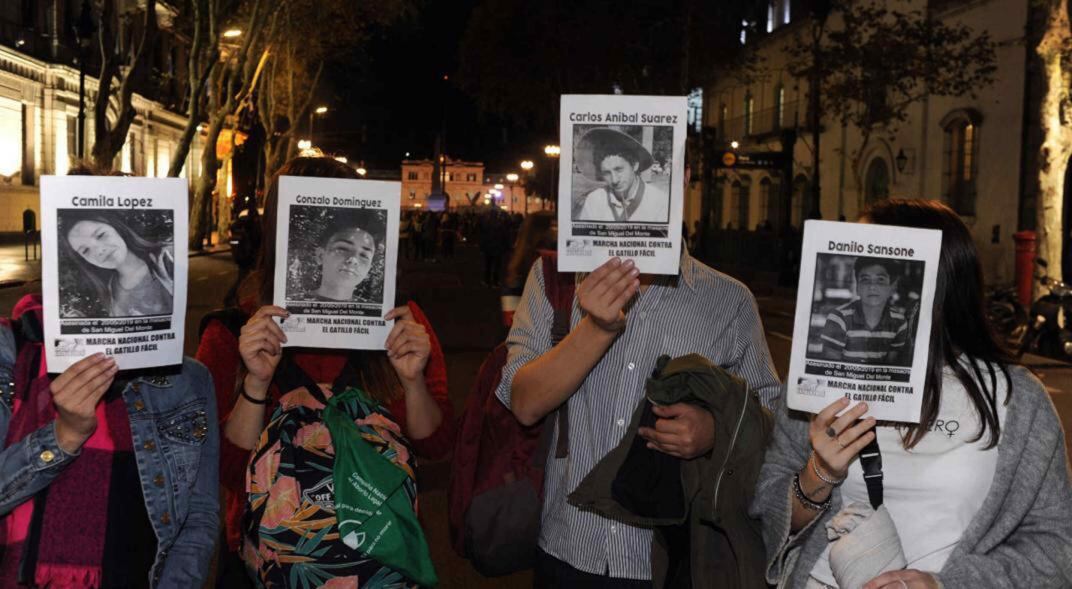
(373, 495)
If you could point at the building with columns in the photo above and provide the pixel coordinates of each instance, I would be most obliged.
(39, 91)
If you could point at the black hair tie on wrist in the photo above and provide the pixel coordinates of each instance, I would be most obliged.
(242, 391)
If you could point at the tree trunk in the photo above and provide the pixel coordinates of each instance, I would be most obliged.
(109, 138)
(201, 211)
(1057, 134)
(202, 62)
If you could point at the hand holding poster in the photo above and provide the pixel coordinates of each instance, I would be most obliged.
(114, 269)
(863, 316)
(336, 253)
(621, 189)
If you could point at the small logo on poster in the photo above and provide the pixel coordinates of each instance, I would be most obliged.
(579, 247)
(293, 324)
(814, 387)
(70, 347)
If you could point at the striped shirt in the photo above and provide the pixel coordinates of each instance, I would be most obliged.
(847, 337)
(701, 311)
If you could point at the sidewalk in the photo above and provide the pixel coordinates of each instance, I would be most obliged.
(17, 270)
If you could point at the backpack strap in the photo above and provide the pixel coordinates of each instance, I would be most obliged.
(871, 462)
(559, 288)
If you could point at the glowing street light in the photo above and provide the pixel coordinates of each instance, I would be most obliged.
(734, 144)
(498, 187)
(305, 144)
(321, 110)
(363, 171)
(341, 159)
(527, 165)
(232, 33)
(512, 177)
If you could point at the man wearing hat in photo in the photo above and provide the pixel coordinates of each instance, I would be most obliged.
(617, 162)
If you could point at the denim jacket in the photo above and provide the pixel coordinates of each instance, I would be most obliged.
(176, 445)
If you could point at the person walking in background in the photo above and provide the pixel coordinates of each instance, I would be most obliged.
(405, 235)
(493, 245)
(418, 234)
(984, 504)
(430, 235)
(448, 231)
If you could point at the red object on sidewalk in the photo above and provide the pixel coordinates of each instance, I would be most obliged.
(1026, 247)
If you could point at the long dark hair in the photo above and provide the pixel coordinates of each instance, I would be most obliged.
(535, 235)
(98, 278)
(377, 376)
(959, 327)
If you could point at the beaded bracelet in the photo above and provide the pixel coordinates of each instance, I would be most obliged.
(804, 500)
(818, 473)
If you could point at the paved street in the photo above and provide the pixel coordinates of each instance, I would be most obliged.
(466, 317)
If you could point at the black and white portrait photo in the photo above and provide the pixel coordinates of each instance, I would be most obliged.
(336, 254)
(622, 173)
(116, 263)
(865, 310)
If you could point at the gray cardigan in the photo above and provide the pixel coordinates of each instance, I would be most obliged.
(1021, 536)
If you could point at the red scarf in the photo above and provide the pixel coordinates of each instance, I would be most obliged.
(69, 548)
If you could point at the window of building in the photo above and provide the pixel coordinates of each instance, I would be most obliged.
(470, 177)
(749, 113)
(801, 195)
(742, 199)
(779, 107)
(877, 181)
(764, 199)
(412, 194)
(786, 13)
(771, 15)
(960, 166)
(10, 137)
(695, 106)
(413, 176)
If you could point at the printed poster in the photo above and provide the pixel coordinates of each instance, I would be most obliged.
(114, 268)
(621, 187)
(863, 318)
(336, 254)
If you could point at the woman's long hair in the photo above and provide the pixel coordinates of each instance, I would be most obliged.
(98, 278)
(959, 329)
(377, 376)
(535, 235)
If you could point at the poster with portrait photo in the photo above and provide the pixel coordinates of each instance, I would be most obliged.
(114, 269)
(864, 306)
(621, 187)
(336, 254)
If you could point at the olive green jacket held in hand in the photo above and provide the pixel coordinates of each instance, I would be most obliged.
(1020, 537)
(725, 544)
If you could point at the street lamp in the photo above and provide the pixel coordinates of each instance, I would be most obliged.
(361, 171)
(304, 144)
(527, 166)
(84, 28)
(734, 144)
(232, 33)
(320, 110)
(552, 151)
(902, 160)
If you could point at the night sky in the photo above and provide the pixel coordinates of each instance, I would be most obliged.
(391, 98)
